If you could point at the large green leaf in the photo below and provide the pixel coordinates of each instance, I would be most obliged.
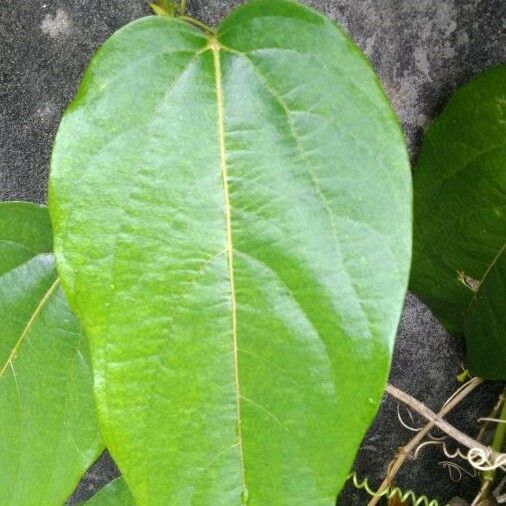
(115, 493)
(233, 219)
(48, 427)
(460, 219)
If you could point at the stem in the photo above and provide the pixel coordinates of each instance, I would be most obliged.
(493, 414)
(487, 477)
(406, 450)
(497, 442)
(427, 413)
(500, 431)
(198, 23)
(182, 7)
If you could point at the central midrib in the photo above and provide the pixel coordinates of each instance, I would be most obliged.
(215, 48)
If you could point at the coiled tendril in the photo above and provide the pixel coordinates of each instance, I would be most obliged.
(392, 492)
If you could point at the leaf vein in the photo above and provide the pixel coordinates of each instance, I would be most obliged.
(318, 190)
(215, 47)
(28, 327)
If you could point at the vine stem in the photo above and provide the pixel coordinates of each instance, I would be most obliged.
(493, 414)
(500, 432)
(488, 477)
(182, 7)
(406, 450)
(438, 421)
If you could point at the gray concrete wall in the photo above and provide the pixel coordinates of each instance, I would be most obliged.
(422, 50)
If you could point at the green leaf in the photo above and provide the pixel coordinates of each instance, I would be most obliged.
(460, 219)
(115, 493)
(233, 219)
(48, 429)
(485, 324)
(25, 231)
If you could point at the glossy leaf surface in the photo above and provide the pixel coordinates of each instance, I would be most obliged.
(232, 222)
(48, 428)
(460, 218)
(115, 493)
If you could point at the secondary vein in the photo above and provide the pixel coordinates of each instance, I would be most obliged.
(29, 326)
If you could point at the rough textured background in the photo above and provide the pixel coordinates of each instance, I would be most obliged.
(422, 50)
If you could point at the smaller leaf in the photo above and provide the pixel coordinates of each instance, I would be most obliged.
(48, 430)
(457, 501)
(396, 499)
(485, 325)
(460, 223)
(164, 7)
(115, 493)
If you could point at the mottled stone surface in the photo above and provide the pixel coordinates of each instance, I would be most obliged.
(422, 50)
(102, 472)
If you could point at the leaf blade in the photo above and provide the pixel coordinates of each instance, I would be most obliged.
(485, 324)
(49, 434)
(240, 204)
(459, 204)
